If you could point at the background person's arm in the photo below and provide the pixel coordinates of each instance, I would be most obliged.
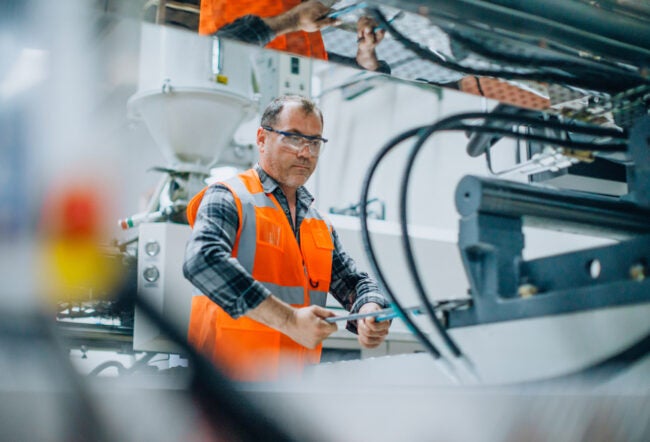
(368, 38)
(308, 16)
(260, 31)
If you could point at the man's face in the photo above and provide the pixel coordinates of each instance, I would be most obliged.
(278, 159)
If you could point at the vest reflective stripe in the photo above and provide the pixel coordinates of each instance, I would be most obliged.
(256, 199)
(245, 255)
(296, 295)
(290, 295)
(317, 298)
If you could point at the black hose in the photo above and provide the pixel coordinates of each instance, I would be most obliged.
(574, 63)
(428, 345)
(480, 143)
(108, 364)
(577, 145)
(452, 123)
(412, 266)
(142, 362)
(564, 78)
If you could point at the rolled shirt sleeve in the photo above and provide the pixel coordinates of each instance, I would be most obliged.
(248, 29)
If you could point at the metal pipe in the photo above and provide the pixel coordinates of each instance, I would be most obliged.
(161, 12)
(560, 209)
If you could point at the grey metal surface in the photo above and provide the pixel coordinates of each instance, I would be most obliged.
(525, 392)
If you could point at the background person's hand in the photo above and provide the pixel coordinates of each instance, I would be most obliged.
(368, 39)
(309, 16)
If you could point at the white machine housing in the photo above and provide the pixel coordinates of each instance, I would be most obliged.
(160, 282)
(279, 73)
(193, 93)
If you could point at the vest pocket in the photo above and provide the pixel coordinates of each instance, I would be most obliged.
(322, 239)
(317, 247)
(277, 258)
(269, 233)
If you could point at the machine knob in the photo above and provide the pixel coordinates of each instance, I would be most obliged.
(152, 248)
(151, 274)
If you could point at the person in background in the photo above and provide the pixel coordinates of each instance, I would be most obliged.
(264, 258)
(291, 26)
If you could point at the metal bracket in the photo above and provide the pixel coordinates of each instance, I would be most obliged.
(505, 287)
(588, 279)
(639, 174)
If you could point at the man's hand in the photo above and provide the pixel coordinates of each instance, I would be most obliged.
(305, 325)
(308, 327)
(368, 40)
(371, 332)
(309, 16)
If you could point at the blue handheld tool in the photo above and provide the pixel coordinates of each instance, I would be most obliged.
(338, 12)
(380, 315)
(390, 20)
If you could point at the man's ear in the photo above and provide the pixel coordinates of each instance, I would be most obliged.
(261, 138)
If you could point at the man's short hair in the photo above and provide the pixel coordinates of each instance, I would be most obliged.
(270, 115)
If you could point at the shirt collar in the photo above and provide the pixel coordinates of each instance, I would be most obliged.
(270, 185)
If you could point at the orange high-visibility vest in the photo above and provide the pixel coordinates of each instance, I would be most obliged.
(299, 274)
(215, 14)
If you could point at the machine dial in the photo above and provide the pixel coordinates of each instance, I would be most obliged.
(151, 274)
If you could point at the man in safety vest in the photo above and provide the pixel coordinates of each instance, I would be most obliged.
(264, 258)
(291, 26)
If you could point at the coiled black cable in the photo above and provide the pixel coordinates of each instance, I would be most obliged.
(567, 143)
(550, 74)
(576, 64)
(367, 243)
(446, 123)
(454, 122)
(424, 132)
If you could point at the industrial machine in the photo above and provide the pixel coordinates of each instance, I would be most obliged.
(607, 131)
(191, 103)
(555, 95)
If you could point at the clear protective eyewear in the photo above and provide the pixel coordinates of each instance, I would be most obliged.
(296, 141)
